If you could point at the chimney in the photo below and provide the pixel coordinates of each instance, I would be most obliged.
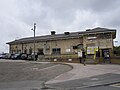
(66, 33)
(88, 29)
(53, 32)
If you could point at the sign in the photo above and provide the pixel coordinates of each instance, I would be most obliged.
(67, 50)
(91, 37)
(80, 54)
(91, 50)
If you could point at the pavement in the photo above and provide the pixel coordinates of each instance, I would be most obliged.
(89, 77)
(95, 81)
(80, 71)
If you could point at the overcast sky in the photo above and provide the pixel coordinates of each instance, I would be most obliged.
(17, 17)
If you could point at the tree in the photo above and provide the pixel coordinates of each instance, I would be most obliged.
(116, 50)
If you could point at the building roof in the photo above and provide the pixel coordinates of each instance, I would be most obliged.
(65, 36)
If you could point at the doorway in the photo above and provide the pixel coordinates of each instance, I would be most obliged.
(106, 55)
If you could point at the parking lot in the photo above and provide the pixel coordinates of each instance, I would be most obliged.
(26, 73)
(22, 70)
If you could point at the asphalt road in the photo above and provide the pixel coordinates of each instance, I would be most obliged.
(28, 75)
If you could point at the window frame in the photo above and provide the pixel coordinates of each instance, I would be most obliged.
(56, 50)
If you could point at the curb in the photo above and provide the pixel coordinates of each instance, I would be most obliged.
(97, 85)
(67, 65)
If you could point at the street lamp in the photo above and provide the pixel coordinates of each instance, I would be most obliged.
(34, 38)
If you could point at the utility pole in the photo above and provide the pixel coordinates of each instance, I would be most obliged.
(34, 28)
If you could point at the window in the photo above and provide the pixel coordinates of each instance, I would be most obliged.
(105, 36)
(40, 52)
(56, 50)
(19, 51)
(75, 47)
(80, 46)
(25, 51)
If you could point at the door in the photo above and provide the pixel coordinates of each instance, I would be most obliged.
(106, 55)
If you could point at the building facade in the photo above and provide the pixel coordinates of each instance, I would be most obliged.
(91, 41)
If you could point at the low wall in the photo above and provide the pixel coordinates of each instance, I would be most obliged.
(115, 59)
(73, 58)
(60, 58)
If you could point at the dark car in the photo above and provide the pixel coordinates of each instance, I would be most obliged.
(16, 56)
(36, 56)
(11, 55)
(24, 56)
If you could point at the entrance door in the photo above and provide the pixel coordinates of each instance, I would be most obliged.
(104, 51)
(106, 55)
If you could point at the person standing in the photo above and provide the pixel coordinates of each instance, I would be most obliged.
(84, 57)
(80, 56)
(108, 57)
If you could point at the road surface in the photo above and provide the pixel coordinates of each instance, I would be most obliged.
(25, 75)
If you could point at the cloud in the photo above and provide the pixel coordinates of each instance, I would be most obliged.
(17, 17)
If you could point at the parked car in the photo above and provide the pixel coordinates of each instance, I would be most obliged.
(7, 56)
(3, 55)
(11, 56)
(24, 56)
(16, 56)
(31, 56)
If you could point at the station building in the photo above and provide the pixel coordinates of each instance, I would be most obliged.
(66, 46)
